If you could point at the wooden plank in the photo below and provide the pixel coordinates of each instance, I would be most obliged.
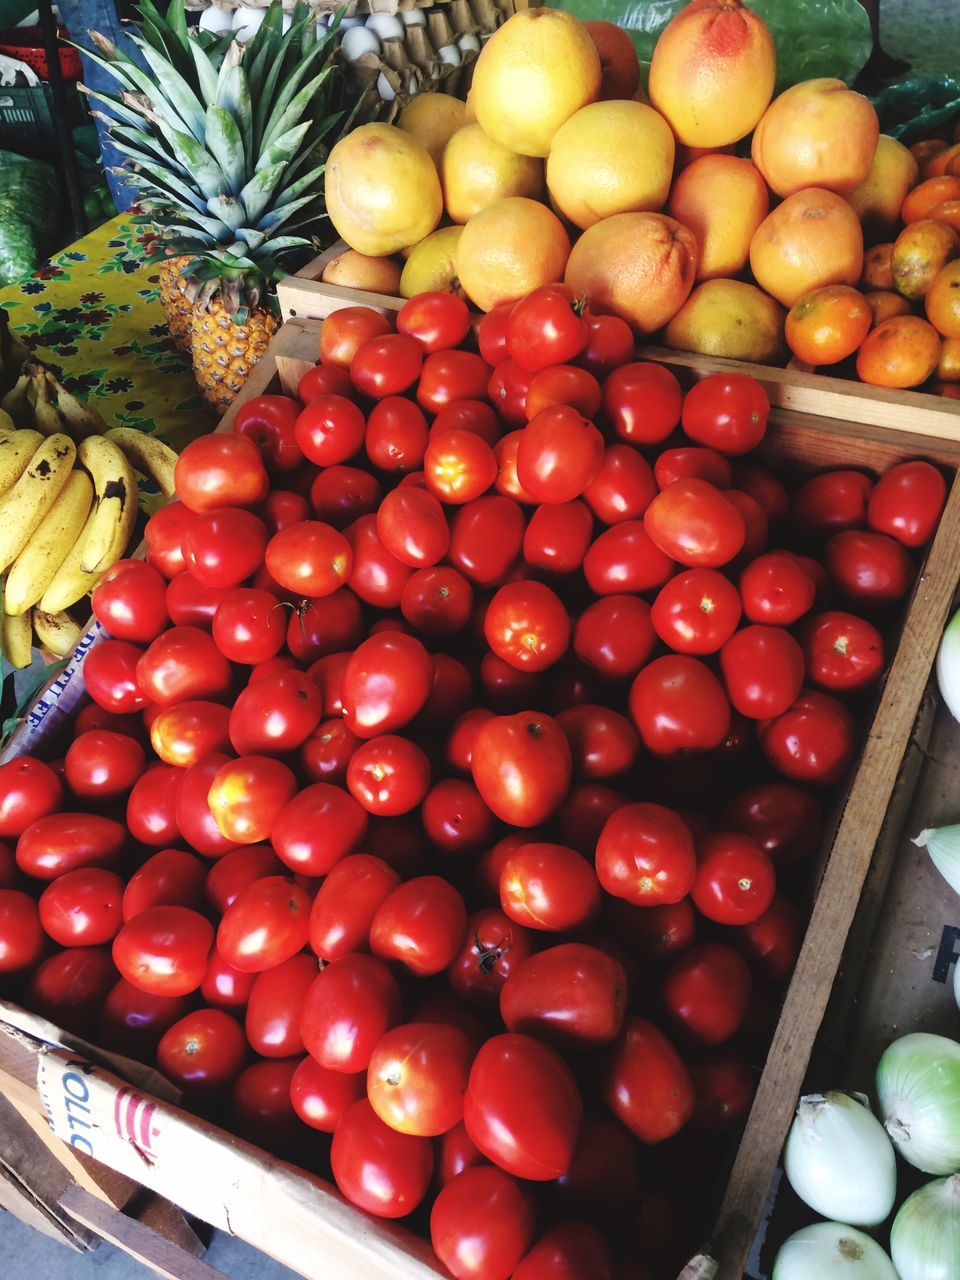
(168, 1220)
(16, 1199)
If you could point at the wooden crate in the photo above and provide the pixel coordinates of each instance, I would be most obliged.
(304, 1223)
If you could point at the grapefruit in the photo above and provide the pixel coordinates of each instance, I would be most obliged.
(355, 270)
(722, 199)
(509, 248)
(813, 238)
(877, 199)
(476, 170)
(619, 65)
(729, 318)
(433, 119)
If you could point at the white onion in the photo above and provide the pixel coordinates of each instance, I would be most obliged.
(839, 1160)
(943, 846)
(357, 41)
(387, 26)
(925, 1236)
(918, 1087)
(948, 666)
(831, 1251)
(216, 19)
(450, 54)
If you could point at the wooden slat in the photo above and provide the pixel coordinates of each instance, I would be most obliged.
(16, 1200)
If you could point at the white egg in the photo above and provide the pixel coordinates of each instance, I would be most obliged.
(385, 88)
(358, 41)
(450, 54)
(413, 84)
(469, 43)
(413, 17)
(216, 19)
(246, 16)
(387, 26)
(347, 23)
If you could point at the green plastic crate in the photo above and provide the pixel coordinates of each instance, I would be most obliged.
(27, 122)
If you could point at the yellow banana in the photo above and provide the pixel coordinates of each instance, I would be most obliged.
(16, 640)
(6, 424)
(46, 417)
(24, 505)
(117, 503)
(57, 632)
(15, 402)
(16, 450)
(36, 565)
(70, 583)
(148, 454)
(79, 419)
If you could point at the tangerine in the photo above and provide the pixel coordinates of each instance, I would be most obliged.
(902, 352)
(828, 325)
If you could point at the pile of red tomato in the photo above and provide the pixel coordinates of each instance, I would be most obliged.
(450, 773)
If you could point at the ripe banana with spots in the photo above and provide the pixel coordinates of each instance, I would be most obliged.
(16, 640)
(37, 564)
(147, 454)
(70, 583)
(16, 450)
(29, 499)
(56, 632)
(116, 503)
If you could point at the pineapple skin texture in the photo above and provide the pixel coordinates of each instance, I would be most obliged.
(177, 307)
(224, 352)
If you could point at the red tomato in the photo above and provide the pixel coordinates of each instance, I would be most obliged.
(609, 344)
(224, 987)
(164, 950)
(869, 567)
(132, 1021)
(603, 1171)
(481, 1224)
(275, 715)
(324, 380)
(624, 559)
(830, 502)
(615, 636)
(492, 334)
(237, 870)
(320, 825)
(330, 430)
(221, 470)
(327, 675)
(386, 682)
(784, 821)
(129, 601)
(22, 940)
(396, 434)
(340, 495)
(111, 675)
(170, 878)
(755, 523)
(695, 523)
(707, 992)
(266, 923)
(468, 415)
(203, 1054)
(773, 940)
(421, 923)
(455, 818)
(549, 887)
(437, 601)
(646, 855)
(814, 741)
(194, 820)
(417, 1077)
(459, 465)
(526, 625)
(546, 328)
(557, 537)
(191, 604)
(346, 330)
(521, 766)
(454, 1152)
(566, 1251)
(377, 576)
(763, 670)
(349, 1007)
(311, 558)
(691, 463)
(182, 665)
(679, 705)
(696, 612)
(332, 624)
(522, 1107)
(269, 422)
(62, 842)
(449, 376)
(386, 366)
(82, 907)
(573, 996)
(164, 533)
(765, 488)
(725, 1087)
(412, 526)
(656, 933)
(320, 1097)
(602, 742)
(735, 880)
(486, 538)
(379, 1170)
(493, 947)
(459, 748)
(181, 735)
(248, 626)
(843, 653)
(69, 988)
(727, 412)
(435, 320)
(151, 807)
(624, 486)
(642, 402)
(273, 1010)
(388, 775)
(103, 765)
(647, 1085)
(507, 389)
(93, 717)
(247, 796)
(563, 384)
(776, 589)
(325, 755)
(907, 502)
(261, 1108)
(346, 903)
(559, 453)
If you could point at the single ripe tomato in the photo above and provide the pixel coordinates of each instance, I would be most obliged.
(546, 327)
(549, 887)
(647, 1086)
(346, 903)
(82, 908)
(386, 682)
(69, 988)
(184, 664)
(321, 1097)
(103, 765)
(345, 331)
(772, 941)
(725, 1086)
(22, 938)
(449, 376)
(692, 463)
(164, 950)
(615, 636)
(507, 391)
(220, 470)
(170, 878)
(269, 422)
(486, 537)
(455, 818)
(376, 576)
(274, 715)
(906, 503)
(129, 601)
(493, 948)
(459, 465)
(62, 842)
(111, 674)
(521, 765)
(469, 415)
(609, 344)
(481, 1224)
(353, 1002)
(645, 855)
(843, 653)
(763, 670)
(568, 1249)
(29, 789)
(707, 992)
(272, 1020)
(203, 1054)
(813, 741)
(765, 488)
(696, 612)
(261, 1109)
(557, 536)
(381, 1171)
(163, 534)
(132, 1022)
(776, 589)
(396, 434)
(871, 568)
(249, 625)
(435, 320)
(679, 705)
(247, 795)
(388, 775)
(324, 380)
(341, 495)
(386, 366)
(563, 384)
(266, 923)
(727, 412)
(283, 507)
(191, 604)
(413, 527)
(624, 558)
(417, 1077)
(151, 807)
(785, 821)
(420, 923)
(735, 881)
(559, 453)
(831, 502)
(437, 601)
(329, 430)
(319, 826)
(572, 996)
(185, 733)
(527, 626)
(642, 402)
(492, 334)
(695, 523)
(623, 487)
(311, 558)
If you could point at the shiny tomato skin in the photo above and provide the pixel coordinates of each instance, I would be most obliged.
(346, 903)
(469, 415)
(696, 612)
(63, 842)
(563, 384)
(261, 1108)
(527, 625)
(784, 820)
(755, 523)
(151, 807)
(325, 755)
(491, 334)
(221, 470)
(412, 526)
(82, 908)
(646, 855)
(327, 675)
(727, 412)
(454, 1152)
(493, 947)
(707, 992)
(623, 487)
(310, 558)
(320, 825)
(386, 366)
(549, 887)
(694, 523)
(224, 547)
(437, 601)
(421, 923)
(459, 747)
(242, 866)
(164, 533)
(164, 950)
(348, 329)
(772, 941)
(486, 536)
(763, 670)
(132, 1022)
(103, 765)
(29, 789)
(22, 938)
(545, 328)
(224, 987)
(559, 453)
(340, 495)
(647, 1086)
(247, 795)
(657, 933)
(507, 390)
(191, 604)
(275, 715)
(691, 462)
(203, 1054)
(481, 1224)
(814, 741)
(181, 665)
(324, 380)
(603, 743)
(417, 1077)
(332, 624)
(386, 682)
(776, 590)
(436, 320)
(625, 559)
(522, 1107)
(195, 822)
(186, 732)
(455, 819)
(459, 465)
(569, 1249)
(376, 576)
(831, 502)
(869, 568)
(615, 636)
(678, 705)
(725, 1086)
(265, 924)
(69, 988)
(111, 675)
(557, 537)
(572, 996)
(349, 1007)
(609, 344)
(907, 502)
(843, 653)
(521, 765)
(449, 376)
(642, 402)
(396, 435)
(129, 601)
(269, 422)
(272, 1022)
(765, 488)
(735, 881)
(379, 1170)
(388, 775)
(320, 1096)
(329, 430)
(248, 626)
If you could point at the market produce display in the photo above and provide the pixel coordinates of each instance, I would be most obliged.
(453, 772)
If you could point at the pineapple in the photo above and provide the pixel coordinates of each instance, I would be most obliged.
(177, 307)
(228, 143)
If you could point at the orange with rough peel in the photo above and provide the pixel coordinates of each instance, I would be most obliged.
(433, 119)
(476, 170)
(508, 249)
(639, 266)
(610, 157)
(619, 65)
(878, 198)
(812, 239)
(817, 133)
(902, 352)
(943, 301)
(877, 267)
(930, 192)
(828, 325)
(731, 319)
(919, 251)
(722, 199)
(712, 72)
(532, 74)
(884, 304)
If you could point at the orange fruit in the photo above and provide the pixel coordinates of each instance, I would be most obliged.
(433, 119)
(932, 191)
(828, 325)
(942, 162)
(357, 271)
(619, 64)
(610, 157)
(818, 133)
(877, 268)
(509, 248)
(919, 251)
(947, 211)
(884, 304)
(902, 352)
(731, 319)
(925, 151)
(639, 266)
(812, 239)
(943, 301)
(948, 366)
(712, 72)
(877, 199)
(476, 170)
(532, 74)
(722, 199)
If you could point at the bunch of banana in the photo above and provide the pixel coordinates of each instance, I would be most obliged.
(13, 354)
(39, 399)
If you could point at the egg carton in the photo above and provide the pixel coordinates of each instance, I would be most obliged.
(354, 9)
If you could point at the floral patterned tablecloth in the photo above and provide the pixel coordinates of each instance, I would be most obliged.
(93, 314)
